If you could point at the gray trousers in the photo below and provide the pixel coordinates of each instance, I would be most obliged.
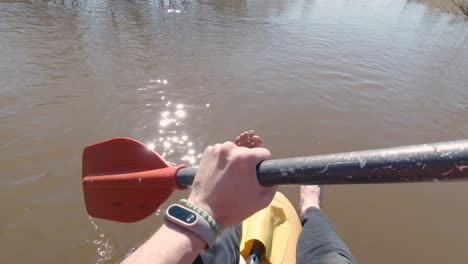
(318, 244)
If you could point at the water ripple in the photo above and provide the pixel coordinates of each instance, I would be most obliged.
(172, 141)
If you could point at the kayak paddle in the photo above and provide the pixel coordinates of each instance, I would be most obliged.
(125, 181)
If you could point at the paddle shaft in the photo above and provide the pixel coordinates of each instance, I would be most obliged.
(446, 161)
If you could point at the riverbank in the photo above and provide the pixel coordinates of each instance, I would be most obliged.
(459, 7)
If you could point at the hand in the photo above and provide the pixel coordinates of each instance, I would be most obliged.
(226, 185)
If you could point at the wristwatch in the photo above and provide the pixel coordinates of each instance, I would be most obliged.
(190, 220)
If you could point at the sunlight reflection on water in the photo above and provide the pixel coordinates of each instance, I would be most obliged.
(104, 246)
(173, 141)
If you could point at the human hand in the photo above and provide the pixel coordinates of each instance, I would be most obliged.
(226, 185)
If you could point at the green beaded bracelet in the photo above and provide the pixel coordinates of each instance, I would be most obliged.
(214, 225)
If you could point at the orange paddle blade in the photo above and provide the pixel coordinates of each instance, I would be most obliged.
(125, 181)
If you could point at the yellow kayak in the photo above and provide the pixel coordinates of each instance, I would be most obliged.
(270, 235)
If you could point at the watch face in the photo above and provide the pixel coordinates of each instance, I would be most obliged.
(182, 214)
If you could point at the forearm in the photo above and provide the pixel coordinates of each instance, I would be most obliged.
(170, 244)
(224, 169)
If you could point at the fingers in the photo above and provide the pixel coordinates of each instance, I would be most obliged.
(259, 154)
(252, 156)
(269, 191)
(267, 194)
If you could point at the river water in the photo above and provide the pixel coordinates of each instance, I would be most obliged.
(311, 77)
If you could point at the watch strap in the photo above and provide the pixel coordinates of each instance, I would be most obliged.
(216, 227)
(200, 226)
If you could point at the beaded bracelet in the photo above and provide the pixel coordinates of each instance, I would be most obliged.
(214, 225)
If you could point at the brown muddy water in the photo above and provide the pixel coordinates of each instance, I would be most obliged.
(311, 77)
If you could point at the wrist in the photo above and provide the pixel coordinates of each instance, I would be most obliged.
(196, 242)
(208, 209)
(170, 244)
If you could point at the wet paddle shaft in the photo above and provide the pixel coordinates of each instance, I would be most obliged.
(125, 181)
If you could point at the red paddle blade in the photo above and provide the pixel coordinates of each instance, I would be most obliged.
(125, 181)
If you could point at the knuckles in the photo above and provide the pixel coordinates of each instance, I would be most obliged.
(229, 144)
(240, 158)
(225, 147)
(217, 147)
(208, 149)
(234, 161)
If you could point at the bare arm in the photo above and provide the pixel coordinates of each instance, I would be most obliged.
(170, 244)
(225, 171)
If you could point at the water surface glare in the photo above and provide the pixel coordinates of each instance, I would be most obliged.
(310, 76)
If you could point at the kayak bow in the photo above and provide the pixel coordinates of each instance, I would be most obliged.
(270, 235)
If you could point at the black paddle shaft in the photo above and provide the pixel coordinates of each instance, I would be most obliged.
(446, 161)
